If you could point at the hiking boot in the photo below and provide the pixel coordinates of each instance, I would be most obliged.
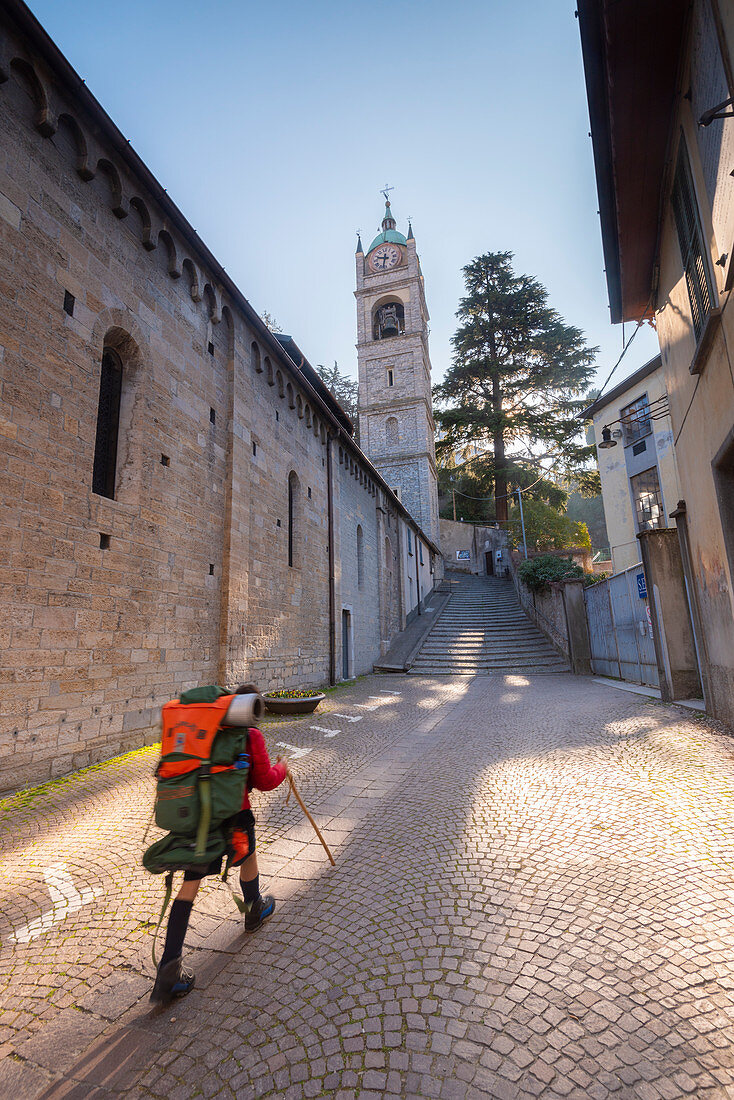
(171, 981)
(261, 909)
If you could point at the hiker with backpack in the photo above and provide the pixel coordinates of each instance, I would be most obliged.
(212, 755)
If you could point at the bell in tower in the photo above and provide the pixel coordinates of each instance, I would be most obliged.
(389, 320)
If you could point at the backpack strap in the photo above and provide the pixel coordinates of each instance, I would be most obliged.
(205, 794)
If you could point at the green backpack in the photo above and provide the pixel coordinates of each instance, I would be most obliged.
(201, 780)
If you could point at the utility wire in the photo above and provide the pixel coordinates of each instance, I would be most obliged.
(638, 326)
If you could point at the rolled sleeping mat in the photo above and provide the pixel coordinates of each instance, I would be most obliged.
(245, 710)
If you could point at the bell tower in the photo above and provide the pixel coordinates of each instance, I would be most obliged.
(396, 427)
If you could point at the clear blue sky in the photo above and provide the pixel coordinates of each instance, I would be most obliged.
(274, 125)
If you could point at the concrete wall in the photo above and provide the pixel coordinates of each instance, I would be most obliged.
(195, 584)
(702, 402)
(474, 540)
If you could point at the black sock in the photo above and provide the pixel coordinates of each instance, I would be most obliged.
(178, 922)
(251, 889)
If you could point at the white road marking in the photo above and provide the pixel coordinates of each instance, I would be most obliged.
(65, 898)
(389, 692)
(326, 732)
(366, 706)
(294, 749)
(377, 697)
(349, 717)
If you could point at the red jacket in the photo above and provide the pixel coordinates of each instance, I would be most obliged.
(263, 776)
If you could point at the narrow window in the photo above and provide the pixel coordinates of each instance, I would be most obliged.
(254, 449)
(648, 500)
(212, 416)
(211, 569)
(165, 460)
(410, 541)
(420, 552)
(210, 347)
(360, 556)
(69, 300)
(256, 360)
(108, 426)
(636, 420)
(293, 502)
(104, 541)
(390, 378)
(690, 239)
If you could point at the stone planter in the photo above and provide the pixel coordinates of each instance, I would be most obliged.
(293, 706)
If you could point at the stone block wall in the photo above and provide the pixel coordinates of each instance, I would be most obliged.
(111, 606)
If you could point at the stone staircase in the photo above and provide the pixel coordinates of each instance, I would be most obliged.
(483, 629)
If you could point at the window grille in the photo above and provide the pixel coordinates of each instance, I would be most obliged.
(690, 239)
(108, 426)
(636, 420)
(648, 500)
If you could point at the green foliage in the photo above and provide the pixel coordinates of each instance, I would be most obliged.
(546, 528)
(589, 510)
(516, 381)
(342, 387)
(270, 322)
(594, 578)
(538, 573)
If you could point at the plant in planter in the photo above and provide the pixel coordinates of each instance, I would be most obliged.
(293, 701)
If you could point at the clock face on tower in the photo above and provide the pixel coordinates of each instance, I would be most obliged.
(385, 257)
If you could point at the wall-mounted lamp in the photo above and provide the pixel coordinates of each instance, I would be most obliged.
(606, 439)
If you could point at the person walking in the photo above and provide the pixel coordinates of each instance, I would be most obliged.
(173, 979)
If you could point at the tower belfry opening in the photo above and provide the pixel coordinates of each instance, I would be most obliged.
(395, 411)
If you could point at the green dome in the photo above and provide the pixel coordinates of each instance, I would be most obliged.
(387, 235)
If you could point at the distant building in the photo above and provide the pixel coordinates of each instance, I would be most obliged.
(660, 86)
(639, 479)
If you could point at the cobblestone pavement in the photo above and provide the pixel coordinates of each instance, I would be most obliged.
(532, 897)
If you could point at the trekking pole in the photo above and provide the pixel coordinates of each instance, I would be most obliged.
(308, 815)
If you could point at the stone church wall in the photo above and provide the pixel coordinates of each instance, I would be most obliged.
(358, 572)
(110, 606)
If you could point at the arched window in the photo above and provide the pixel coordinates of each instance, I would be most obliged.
(388, 320)
(256, 360)
(392, 435)
(108, 425)
(294, 494)
(360, 556)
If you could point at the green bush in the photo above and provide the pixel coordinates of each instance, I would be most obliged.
(538, 573)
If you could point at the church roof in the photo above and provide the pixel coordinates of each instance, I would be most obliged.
(389, 232)
(387, 235)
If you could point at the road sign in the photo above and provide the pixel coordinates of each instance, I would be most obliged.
(641, 586)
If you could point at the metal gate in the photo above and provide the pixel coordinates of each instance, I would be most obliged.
(620, 630)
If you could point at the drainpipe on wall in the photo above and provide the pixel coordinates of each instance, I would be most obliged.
(417, 575)
(332, 608)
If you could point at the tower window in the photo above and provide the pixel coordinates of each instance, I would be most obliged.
(390, 377)
(69, 300)
(389, 320)
(108, 426)
(212, 416)
(210, 347)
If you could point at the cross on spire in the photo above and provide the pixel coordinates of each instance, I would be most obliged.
(386, 192)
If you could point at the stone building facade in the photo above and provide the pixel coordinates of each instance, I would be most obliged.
(395, 405)
(183, 501)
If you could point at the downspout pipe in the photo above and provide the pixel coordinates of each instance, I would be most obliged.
(332, 598)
